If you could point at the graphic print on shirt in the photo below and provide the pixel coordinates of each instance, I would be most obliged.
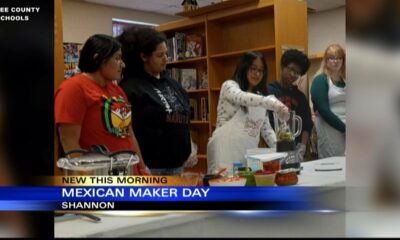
(172, 106)
(251, 126)
(163, 100)
(116, 116)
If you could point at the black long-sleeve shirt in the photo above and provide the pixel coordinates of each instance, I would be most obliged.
(160, 119)
(296, 101)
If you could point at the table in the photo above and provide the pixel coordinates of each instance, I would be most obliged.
(309, 177)
(207, 224)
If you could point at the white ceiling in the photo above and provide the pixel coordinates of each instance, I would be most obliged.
(171, 7)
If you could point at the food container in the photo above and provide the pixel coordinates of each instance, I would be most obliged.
(286, 177)
(252, 159)
(96, 164)
(209, 177)
(272, 161)
(228, 181)
(265, 178)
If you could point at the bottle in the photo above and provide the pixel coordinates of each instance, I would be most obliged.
(236, 166)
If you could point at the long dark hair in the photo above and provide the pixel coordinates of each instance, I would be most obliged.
(136, 41)
(243, 66)
(103, 45)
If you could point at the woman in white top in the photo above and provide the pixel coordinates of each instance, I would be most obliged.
(242, 114)
(328, 94)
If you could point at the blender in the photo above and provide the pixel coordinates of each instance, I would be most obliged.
(286, 132)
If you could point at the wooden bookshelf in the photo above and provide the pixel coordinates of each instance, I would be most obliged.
(315, 60)
(199, 122)
(231, 29)
(216, 89)
(241, 52)
(197, 91)
(214, 7)
(316, 56)
(188, 61)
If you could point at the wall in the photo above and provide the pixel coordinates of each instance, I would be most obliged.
(325, 28)
(81, 19)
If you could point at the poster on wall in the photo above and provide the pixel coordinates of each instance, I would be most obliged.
(71, 59)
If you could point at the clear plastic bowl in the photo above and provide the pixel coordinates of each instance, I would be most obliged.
(229, 181)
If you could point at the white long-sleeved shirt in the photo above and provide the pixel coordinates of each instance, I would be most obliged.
(232, 98)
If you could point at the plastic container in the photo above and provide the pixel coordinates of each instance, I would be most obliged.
(265, 178)
(209, 177)
(272, 162)
(228, 181)
(286, 177)
(119, 163)
(269, 161)
(236, 166)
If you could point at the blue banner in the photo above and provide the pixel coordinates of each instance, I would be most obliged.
(58, 198)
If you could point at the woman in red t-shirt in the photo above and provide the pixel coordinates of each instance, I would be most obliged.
(90, 108)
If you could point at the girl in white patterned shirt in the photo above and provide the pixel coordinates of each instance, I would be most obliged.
(242, 114)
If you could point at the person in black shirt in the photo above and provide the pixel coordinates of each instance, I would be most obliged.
(294, 64)
(160, 106)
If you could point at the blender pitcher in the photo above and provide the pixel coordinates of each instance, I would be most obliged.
(287, 131)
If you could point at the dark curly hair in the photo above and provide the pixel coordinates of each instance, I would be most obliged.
(136, 41)
(297, 57)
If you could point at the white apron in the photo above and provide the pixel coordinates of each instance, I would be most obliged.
(229, 142)
(332, 142)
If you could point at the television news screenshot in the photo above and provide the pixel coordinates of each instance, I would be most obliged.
(199, 118)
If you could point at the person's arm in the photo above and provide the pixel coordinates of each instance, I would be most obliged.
(69, 138)
(268, 133)
(319, 96)
(231, 92)
(305, 136)
(307, 123)
(142, 165)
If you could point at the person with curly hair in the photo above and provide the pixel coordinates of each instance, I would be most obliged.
(294, 64)
(160, 105)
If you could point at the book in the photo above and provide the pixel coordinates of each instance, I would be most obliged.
(188, 78)
(179, 46)
(204, 109)
(193, 109)
(204, 80)
(194, 45)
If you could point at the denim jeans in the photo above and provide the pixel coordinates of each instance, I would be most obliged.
(166, 171)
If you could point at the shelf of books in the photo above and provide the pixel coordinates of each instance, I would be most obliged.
(205, 47)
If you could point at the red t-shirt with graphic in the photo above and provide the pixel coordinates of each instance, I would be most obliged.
(103, 113)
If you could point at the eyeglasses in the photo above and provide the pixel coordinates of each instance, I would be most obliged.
(293, 72)
(255, 70)
(333, 59)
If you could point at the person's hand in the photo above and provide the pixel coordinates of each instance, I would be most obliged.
(282, 111)
(191, 161)
(279, 108)
(300, 151)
